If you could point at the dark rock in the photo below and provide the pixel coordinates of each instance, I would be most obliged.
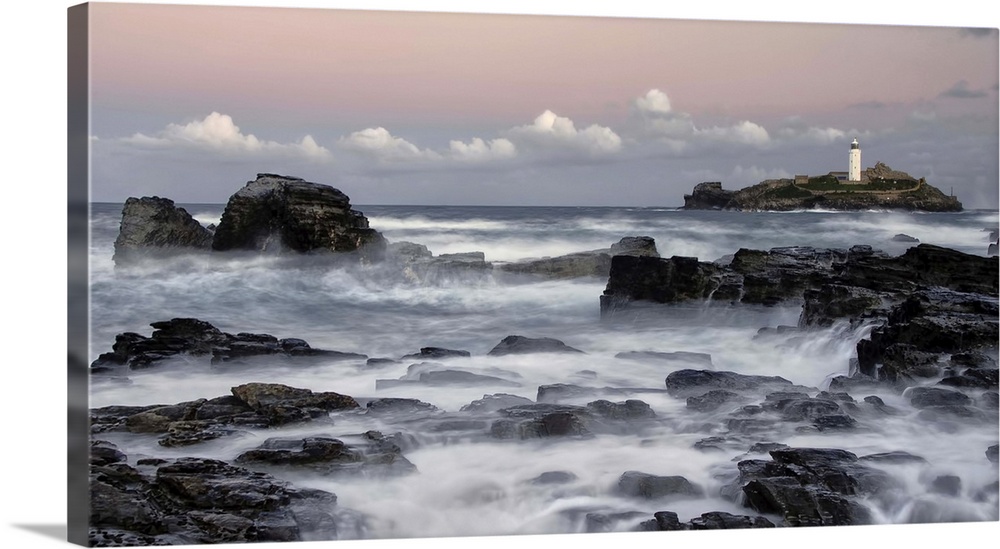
(198, 501)
(811, 486)
(275, 400)
(904, 238)
(532, 421)
(319, 450)
(553, 477)
(328, 455)
(658, 280)
(684, 383)
(708, 196)
(948, 485)
(444, 378)
(989, 400)
(973, 359)
(275, 213)
(191, 336)
(896, 457)
(647, 486)
(494, 402)
(105, 453)
(621, 411)
(663, 521)
(834, 302)
(155, 227)
(435, 353)
(601, 522)
(978, 378)
(399, 406)
(718, 520)
(993, 453)
(833, 422)
(923, 397)
(712, 400)
(515, 345)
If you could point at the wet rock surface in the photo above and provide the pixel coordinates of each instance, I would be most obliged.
(153, 227)
(192, 337)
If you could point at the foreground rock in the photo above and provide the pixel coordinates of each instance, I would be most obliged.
(194, 337)
(582, 264)
(811, 486)
(251, 406)
(153, 227)
(196, 500)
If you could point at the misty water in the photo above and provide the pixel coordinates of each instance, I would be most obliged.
(467, 482)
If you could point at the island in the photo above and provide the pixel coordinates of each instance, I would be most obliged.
(877, 188)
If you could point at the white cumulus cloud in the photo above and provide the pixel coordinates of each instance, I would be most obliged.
(479, 150)
(218, 132)
(745, 132)
(654, 102)
(382, 144)
(552, 130)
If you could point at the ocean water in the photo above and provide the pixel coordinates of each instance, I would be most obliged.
(469, 484)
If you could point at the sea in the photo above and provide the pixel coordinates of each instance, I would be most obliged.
(473, 484)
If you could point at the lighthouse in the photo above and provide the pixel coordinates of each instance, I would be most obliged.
(854, 163)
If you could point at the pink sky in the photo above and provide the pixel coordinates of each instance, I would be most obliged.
(413, 106)
(508, 68)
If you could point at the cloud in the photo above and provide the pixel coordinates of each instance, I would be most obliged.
(385, 146)
(654, 102)
(550, 130)
(678, 133)
(744, 132)
(217, 132)
(961, 91)
(813, 134)
(479, 150)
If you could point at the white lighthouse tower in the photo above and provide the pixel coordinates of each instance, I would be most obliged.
(854, 163)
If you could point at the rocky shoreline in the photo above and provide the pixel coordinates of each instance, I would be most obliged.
(931, 316)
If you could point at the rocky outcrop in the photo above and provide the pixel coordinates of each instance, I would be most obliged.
(197, 500)
(194, 337)
(582, 264)
(518, 345)
(811, 486)
(276, 213)
(708, 196)
(834, 281)
(153, 227)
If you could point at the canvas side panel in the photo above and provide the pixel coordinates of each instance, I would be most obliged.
(78, 167)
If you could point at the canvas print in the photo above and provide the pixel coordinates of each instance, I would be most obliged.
(357, 275)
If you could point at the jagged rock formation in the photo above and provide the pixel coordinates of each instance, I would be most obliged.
(279, 213)
(708, 196)
(786, 195)
(155, 227)
(273, 213)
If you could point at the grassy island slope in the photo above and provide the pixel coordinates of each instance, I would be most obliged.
(881, 188)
